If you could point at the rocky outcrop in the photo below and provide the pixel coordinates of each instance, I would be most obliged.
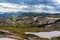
(31, 21)
(7, 34)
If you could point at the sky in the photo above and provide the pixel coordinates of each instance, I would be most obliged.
(51, 6)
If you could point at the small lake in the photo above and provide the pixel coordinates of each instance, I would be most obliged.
(45, 34)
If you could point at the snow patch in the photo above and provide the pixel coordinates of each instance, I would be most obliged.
(45, 34)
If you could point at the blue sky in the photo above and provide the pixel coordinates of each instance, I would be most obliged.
(51, 6)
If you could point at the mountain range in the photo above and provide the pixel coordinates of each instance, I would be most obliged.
(21, 14)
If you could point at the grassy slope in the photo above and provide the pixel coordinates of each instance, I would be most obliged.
(20, 31)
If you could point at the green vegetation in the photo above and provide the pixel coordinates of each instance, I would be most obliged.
(23, 26)
(21, 29)
(18, 30)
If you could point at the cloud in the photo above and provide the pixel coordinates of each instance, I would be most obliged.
(43, 6)
(56, 1)
(11, 7)
(11, 10)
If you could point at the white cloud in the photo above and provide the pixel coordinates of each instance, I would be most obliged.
(10, 7)
(7, 10)
(56, 1)
(43, 6)
(11, 10)
(40, 8)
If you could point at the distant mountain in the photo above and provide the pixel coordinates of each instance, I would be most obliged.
(21, 14)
